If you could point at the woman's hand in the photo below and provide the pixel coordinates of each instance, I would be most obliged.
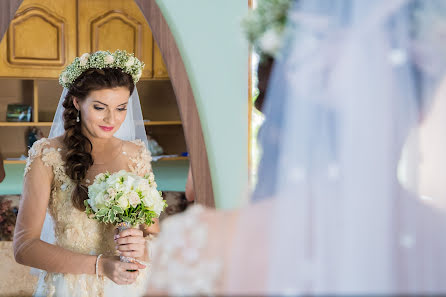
(117, 271)
(153, 229)
(131, 243)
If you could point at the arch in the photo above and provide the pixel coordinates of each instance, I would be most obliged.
(185, 100)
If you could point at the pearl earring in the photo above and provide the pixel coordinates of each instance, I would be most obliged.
(78, 119)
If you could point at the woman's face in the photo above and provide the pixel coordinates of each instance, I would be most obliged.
(103, 111)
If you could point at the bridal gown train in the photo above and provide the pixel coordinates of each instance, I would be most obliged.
(74, 231)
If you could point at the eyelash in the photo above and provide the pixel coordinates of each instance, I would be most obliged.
(101, 108)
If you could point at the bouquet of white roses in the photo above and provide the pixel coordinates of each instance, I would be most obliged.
(124, 197)
(125, 200)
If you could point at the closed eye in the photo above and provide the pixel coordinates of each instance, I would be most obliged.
(122, 108)
(98, 107)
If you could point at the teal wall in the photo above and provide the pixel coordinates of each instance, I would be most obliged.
(13, 182)
(170, 176)
(215, 54)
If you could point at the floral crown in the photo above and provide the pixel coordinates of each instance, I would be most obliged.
(128, 63)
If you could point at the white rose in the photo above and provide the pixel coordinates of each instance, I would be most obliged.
(109, 59)
(134, 199)
(130, 62)
(123, 202)
(151, 177)
(65, 77)
(138, 74)
(84, 59)
(112, 192)
(107, 199)
(155, 194)
(158, 207)
(92, 205)
(100, 177)
(270, 42)
(99, 200)
(144, 185)
(130, 183)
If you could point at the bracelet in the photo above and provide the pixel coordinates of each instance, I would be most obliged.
(96, 265)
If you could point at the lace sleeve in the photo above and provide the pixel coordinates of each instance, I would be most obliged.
(35, 152)
(29, 250)
(141, 162)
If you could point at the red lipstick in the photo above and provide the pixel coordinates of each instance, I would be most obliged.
(105, 128)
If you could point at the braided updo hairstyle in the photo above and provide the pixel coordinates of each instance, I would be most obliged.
(78, 146)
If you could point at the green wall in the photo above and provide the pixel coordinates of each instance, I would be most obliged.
(170, 176)
(215, 54)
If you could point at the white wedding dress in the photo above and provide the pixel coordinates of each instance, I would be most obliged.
(74, 231)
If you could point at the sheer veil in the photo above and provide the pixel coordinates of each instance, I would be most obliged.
(131, 129)
(355, 121)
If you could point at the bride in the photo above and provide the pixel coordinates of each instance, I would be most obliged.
(97, 128)
(346, 213)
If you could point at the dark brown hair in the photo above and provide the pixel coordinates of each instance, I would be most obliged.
(78, 158)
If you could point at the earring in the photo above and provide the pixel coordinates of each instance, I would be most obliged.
(78, 119)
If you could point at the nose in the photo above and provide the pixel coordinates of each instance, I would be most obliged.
(109, 118)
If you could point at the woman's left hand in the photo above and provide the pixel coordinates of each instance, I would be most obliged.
(131, 243)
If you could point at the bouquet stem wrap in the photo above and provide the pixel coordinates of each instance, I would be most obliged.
(121, 227)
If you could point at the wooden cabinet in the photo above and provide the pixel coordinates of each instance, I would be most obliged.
(115, 24)
(45, 36)
(159, 68)
(41, 39)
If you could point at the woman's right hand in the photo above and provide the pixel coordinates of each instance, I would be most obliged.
(117, 271)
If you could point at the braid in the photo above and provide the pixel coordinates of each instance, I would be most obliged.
(78, 155)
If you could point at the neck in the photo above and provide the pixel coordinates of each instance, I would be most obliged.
(99, 144)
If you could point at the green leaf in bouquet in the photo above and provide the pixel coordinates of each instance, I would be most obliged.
(112, 216)
(141, 214)
(102, 212)
(126, 219)
(117, 209)
(88, 210)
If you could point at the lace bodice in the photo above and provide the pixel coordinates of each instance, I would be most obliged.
(73, 230)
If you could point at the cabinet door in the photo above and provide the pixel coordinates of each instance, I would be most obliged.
(159, 67)
(115, 24)
(41, 39)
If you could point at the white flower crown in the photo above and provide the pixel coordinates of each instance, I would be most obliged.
(128, 63)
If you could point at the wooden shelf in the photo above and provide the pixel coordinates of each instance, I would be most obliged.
(174, 159)
(25, 124)
(162, 123)
(14, 161)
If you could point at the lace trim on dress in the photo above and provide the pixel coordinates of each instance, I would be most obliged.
(51, 157)
(34, 152)
(181, 268)
(141, 162)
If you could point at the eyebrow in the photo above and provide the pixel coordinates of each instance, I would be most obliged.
(107, 105)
